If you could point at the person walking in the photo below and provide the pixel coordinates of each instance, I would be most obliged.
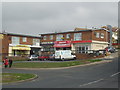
(10, 63)
(5, 61)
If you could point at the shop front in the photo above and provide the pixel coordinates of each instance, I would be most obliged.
(47, 48)
(19, 50)
(35, 50)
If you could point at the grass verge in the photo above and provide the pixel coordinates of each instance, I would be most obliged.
(51, 65)
(15, 77)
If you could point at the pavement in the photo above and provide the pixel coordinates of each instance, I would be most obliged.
(104, 75)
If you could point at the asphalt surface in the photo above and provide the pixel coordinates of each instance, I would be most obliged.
(103, 75)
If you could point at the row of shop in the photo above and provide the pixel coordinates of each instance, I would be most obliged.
(19, 50)
(75, 46)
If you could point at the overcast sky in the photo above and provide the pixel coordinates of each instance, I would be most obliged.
(44, 17)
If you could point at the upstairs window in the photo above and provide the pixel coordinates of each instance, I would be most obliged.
(102, 35)
(15, 40)
(36, 42)
(97, 35)
(67, 36)
(51, 37)
(77, 36)
(24, 39)
(59, 37)
(44, 37)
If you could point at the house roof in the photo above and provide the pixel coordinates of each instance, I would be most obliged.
(71, 31)
(20, 35)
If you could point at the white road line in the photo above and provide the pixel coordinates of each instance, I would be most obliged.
(114, 74)
(91, 82)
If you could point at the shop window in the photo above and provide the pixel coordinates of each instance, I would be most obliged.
(36, 42)
(82, 49)
(102, 35)
(97, 35)
(59, 37)
(24, 39)
(77, 36)
(15, 40)
(67, 36)
(51, 37)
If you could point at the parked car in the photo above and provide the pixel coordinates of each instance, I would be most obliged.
(33, 57)
(110, 49)
(52, 57)
(43, 57)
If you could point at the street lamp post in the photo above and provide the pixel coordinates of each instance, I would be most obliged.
(110, 29)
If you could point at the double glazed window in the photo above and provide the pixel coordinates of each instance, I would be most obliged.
(67, 36)
(102, 35)
(51, 37)
(59, 37)
(24, 39)
(15, 40)
(44, 37)
(77, 36)
(36, 42)
(97, 35)
(82, 49)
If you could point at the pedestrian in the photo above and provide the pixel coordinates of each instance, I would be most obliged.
(5, 61)
(10, 63)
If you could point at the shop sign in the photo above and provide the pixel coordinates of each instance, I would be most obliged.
(62, 45)
(46, 42)
(62, 42)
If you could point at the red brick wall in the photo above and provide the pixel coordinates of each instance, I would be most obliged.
(105, 39)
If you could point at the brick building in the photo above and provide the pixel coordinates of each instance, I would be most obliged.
(78, 40)
(19, 44)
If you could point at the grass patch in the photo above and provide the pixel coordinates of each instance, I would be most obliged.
(51, 64)
(13, 77)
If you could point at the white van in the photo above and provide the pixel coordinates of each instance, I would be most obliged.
(64, 54)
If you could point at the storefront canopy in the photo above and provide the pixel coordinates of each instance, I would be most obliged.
(21, 48)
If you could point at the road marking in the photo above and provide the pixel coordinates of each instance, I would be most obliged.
(91, 82)
(114, 74)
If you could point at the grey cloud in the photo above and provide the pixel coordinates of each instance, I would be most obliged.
(35, 18)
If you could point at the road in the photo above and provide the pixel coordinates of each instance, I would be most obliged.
(103, 75)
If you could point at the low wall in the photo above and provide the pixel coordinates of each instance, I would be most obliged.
(81, 56)
(17, 58)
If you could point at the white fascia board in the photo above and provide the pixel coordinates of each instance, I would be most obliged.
(101, 42)
(36, 46)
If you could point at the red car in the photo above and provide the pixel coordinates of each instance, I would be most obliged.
(43, 57)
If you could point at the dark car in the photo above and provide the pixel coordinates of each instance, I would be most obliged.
(110, 49)
(52, 57)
